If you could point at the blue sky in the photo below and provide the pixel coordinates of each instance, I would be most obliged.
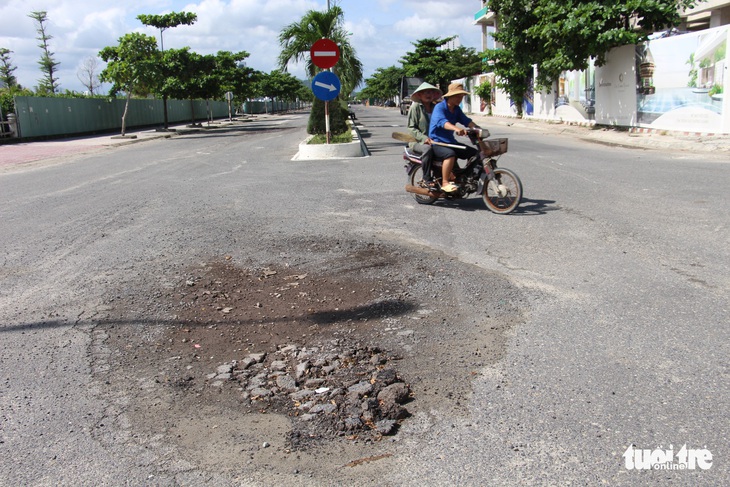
(382, 30)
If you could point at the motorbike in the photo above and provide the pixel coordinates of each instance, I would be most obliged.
(501, 189)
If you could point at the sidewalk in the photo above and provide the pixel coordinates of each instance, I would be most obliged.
(719, 145)
(25, 152)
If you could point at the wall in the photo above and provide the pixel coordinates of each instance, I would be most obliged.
(687, 82)
(616, 88)
(685, 90)
(44, 117)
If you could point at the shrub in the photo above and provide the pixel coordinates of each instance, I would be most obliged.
(338, 118)
(6, 99)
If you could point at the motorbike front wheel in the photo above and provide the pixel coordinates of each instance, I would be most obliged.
(503, 193)
(415, 177)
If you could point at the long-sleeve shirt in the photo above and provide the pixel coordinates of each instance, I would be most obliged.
(441, 114)
(418, 122)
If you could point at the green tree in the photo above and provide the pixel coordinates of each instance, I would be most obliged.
(164, 22)
(49, 82)
(563, 35)
(383, 84)
(204, 77)
(7, 69)
(235, 76)
(132, 67)
(279, 85)
(194, 76)
(431, 60)
(296, 41)
(570, 32)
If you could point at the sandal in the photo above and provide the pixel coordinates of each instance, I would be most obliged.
(450, 187)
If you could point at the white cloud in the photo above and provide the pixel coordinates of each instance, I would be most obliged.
(382, 30)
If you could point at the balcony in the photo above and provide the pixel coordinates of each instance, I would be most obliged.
(484, 17)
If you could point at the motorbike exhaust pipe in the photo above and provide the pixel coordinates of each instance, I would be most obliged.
(415, 189)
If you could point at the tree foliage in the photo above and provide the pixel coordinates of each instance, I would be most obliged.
(49, 82)
(166, 21)
(338, 118)
(189, 75)
(562, 35)
(296, 40)
(7, 69)
(279, 85)
(383, 84)
(182, 73)
(234, 75)
(132, 66)
(572, 31)
(432, 60)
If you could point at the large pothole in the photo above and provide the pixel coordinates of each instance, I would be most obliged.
(322, 346)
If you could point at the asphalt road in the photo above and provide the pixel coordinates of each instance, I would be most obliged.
(620, 256)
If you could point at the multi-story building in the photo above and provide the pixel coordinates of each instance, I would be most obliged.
(707, 14)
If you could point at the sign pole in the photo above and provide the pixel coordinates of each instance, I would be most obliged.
(326, 85)
(327, 119)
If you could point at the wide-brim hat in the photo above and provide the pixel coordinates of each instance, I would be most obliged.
(415, 96)
(456, 89)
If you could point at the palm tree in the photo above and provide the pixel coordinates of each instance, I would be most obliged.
(296, 41)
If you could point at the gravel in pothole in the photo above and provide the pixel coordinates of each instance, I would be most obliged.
(345, 340)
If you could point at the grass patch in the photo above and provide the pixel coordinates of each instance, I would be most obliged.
(343, 138)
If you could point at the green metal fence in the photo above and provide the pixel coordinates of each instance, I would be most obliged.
(44, 117)
(254, 107)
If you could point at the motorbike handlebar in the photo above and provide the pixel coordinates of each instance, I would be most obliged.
(478, 133)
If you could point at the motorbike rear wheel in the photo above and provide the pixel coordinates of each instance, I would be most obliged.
(503, 195)
(415, 177)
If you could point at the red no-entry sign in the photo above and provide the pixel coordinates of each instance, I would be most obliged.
(325, 53)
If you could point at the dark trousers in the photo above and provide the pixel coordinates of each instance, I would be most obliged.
(426, 152)
(440, 152)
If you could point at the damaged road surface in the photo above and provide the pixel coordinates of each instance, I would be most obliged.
(320, 363)
(201, 310)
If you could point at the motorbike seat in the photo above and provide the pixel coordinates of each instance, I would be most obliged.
(411, 154)
(416, 157)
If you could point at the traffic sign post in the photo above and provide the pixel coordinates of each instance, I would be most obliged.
(325, 53)
(326, 85)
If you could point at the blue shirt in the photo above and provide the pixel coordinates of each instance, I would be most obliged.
(440, 116)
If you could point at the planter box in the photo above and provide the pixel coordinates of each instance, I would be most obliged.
(309, 152)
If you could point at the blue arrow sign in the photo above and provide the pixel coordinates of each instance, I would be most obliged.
(326, 86)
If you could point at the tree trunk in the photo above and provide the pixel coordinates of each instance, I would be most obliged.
(126, 108)
(164, 111)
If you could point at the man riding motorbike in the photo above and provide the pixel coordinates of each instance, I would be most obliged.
(442, 129)
(419, 116)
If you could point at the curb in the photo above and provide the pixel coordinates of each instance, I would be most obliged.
(630, 138)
